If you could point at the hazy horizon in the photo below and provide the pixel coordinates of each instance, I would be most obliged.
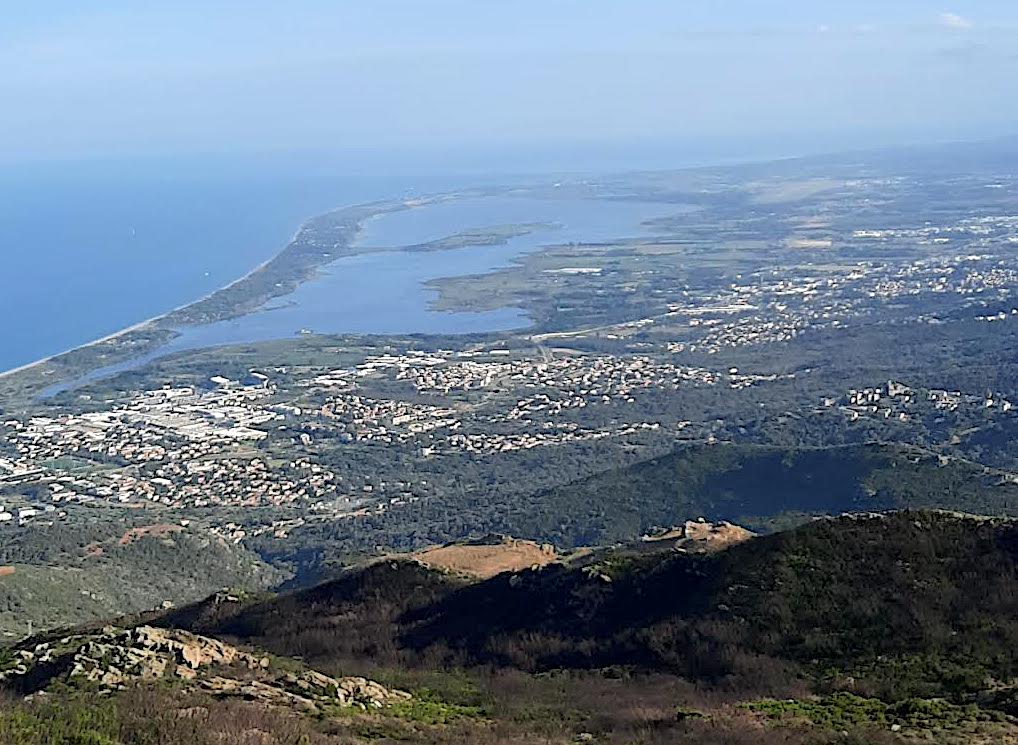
(451, 76)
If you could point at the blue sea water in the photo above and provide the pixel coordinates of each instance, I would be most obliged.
(87, 249)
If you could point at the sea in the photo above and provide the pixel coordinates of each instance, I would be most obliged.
(89, 248)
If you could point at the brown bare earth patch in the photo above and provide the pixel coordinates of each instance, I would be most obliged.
(156, 531)
(6, 571)
(487, 559)
(703, 536)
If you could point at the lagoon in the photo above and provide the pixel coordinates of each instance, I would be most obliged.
(384, 290)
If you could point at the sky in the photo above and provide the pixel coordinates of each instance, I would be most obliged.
(90, 79)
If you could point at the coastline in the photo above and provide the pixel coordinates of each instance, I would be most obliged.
(297, 262)
(153, 322)
(141, 325)
(109, 337)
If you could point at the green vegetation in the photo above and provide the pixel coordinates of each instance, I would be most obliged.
(64, 576)
(60, 724)
(7, 659)
(753, 486)
(843, 711)
(428, 710)
(522, 709)
(763, 488)
(494, 236)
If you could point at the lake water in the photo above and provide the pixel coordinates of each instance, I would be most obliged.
(385, 292)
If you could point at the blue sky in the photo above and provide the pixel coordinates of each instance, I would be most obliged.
(95, 79)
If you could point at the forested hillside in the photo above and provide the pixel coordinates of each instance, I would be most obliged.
(59, 577)
(910, 603)
(764, 488)
(871, 629)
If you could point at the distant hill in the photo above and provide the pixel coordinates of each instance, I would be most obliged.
(487, 557)
(63, 575)
(763, 488)
(759, 487)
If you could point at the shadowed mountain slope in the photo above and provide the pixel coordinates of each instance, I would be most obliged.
(910, 602)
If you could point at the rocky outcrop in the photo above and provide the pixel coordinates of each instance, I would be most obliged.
(116, 658)
(715, 535)
(307, 691)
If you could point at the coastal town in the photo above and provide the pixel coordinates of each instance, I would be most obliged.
(675, 356)
(224, 445)
(903, 403)
(276, 438)
(774, 306)
(227, 449)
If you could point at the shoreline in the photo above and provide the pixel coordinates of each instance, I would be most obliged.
(355, 215)
(137, 326)
(94, 342)
(148, 322)
(152, 323)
